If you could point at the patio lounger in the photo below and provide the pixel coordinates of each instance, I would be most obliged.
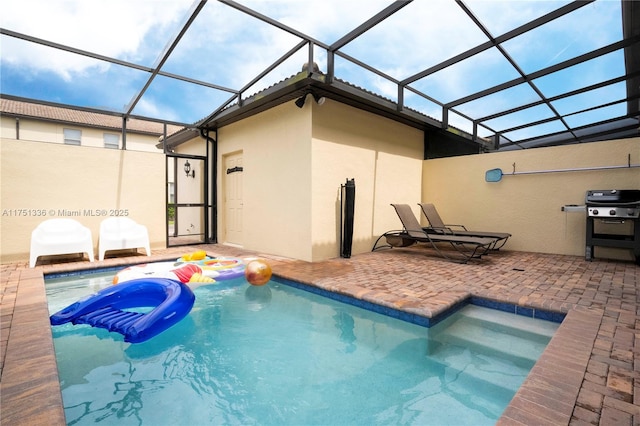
(438, 226)
(60, 236)
(467, 247)
(118, 233)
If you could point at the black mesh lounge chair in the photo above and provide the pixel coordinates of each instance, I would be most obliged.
(437, 226)
(466, 247)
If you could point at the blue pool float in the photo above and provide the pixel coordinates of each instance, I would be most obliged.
(171, 302)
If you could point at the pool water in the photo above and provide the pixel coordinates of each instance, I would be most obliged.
(277, 355)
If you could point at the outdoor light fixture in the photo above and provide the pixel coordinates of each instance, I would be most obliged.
(188, 171)
(319, 99)
(300, 101)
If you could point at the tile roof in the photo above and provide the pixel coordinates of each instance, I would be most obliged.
(86, 118)
(363, 92)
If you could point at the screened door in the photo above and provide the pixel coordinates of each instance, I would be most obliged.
(187, 201)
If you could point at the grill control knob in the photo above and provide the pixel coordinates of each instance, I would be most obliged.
(612, 212)
(595, 212)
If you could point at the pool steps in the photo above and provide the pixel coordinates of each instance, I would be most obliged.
(495, 333)
(474, 335)
(482, 386)
(518, 323)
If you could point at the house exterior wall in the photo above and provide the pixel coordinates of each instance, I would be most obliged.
(276, 190)
(382, 156)
(529, 206)
(48, 131)
(295, 161)
(41, 181)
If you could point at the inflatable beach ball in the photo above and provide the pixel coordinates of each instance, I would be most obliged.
(257, 272)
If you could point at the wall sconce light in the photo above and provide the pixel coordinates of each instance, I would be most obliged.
(188, 171)
(319, 99)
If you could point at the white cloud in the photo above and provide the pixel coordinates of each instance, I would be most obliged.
(38, 58)
(148, 108)
(326, 20)
(416, 37)
(500, 16)
(115, 28)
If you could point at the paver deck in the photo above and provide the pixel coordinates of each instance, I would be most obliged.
(589, 373)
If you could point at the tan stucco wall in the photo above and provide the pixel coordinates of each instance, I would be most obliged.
(52, 178)
(276, 153)
(383, 156)
(529, 206)
(46, 131)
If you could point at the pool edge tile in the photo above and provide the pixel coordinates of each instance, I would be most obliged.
(30, 370)
(532, 403)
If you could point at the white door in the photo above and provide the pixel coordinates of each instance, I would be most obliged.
(232, 173)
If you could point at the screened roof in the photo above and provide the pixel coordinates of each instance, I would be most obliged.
(506, 74)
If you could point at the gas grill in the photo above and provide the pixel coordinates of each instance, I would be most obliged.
(608, 209)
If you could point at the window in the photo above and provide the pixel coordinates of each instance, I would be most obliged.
(72, 136)
(111, 140)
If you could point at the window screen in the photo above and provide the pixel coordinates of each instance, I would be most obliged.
(111, 140)
(72, 136)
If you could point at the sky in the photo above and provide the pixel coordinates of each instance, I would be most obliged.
(227, 48)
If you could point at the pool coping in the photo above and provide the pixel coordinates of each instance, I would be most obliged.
(424, 317)
(548, 394)
(30, 370)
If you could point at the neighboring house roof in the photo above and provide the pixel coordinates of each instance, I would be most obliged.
(36, 111)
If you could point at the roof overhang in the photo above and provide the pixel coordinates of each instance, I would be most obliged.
(302, 84)
(296, 87)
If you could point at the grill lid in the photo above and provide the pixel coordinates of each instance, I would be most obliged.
(610, 197)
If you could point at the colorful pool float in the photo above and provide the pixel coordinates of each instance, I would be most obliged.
(193, 257)
(224, 268)
(204, 271)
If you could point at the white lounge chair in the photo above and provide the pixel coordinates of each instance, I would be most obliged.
(118, 233)
(60, 236)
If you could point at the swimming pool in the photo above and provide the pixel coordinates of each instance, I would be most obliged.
(280, 355)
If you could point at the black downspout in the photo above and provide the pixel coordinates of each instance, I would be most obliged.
(124, 133)
(349, 189)
(164, 138)
(214, 179)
